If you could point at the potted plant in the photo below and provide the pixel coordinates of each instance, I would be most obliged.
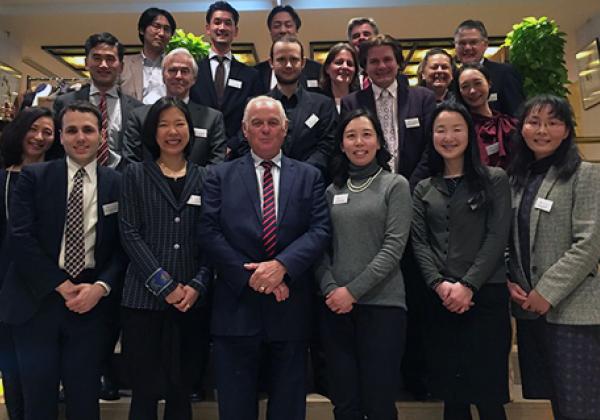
(194, 44)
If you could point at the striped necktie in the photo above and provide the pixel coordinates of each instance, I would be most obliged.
(269, 235)
(103, 153)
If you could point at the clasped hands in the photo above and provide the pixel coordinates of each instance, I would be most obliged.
(267, 278)
(340, 300)
(80, 298)
(532, 301)
(456, 297)
(183, 297)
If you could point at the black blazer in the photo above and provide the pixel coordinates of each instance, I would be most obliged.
(38, 211)
(208, 144)
(413, 102)
(507, 87)
(309, 79)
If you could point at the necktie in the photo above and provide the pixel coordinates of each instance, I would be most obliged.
(74, 240)
(269, 219)
(366, 82)
(102, 153)
(385, 113)
(220, 78)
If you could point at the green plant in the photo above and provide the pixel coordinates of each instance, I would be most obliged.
(537, 49)
(194, 44)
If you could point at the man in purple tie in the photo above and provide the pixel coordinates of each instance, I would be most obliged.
(265, 222)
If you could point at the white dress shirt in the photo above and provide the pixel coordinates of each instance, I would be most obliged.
(153, 86)
(214, 63)
(115, 122)
(275, 171)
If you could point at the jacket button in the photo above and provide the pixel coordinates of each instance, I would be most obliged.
(177, 219)
(176, 246)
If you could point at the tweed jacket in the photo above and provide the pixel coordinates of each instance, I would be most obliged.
(132, 77)
(564, 247)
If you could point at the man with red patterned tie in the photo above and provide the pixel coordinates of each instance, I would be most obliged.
(265, 222)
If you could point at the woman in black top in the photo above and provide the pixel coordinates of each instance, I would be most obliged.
(164, 325)
(27, 139)
(339, 73)
(436, 72)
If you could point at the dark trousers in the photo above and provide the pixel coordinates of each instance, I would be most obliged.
(237, 361)
(364, 351)
(58, 345)
(11, 378)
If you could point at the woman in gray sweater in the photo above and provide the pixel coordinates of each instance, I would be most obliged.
(460, 230)
(363, 314)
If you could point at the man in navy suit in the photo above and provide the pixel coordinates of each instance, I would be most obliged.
(66, 260)
(265, 222)
(224, 83)
(506, 90)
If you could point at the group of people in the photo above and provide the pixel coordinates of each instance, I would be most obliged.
(185, 205)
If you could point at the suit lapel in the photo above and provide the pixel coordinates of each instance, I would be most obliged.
(516, 200)
(58, 178)
(402, 93)
(234, 72)
(102, 198)
(191, 181)
(247, 174)
(547, 185)
(83, 94)
(208, 83)
(156, 175)
(367, 98)
(287, 178)
(138, 76)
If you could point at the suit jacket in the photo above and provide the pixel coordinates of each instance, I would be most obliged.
(207, 146)
(236, 94)
(38, 212)
(231, 233)
(309, 78)
(564, 247)
(132, 77)
(507, 87)
(128, 104)
(413, 102)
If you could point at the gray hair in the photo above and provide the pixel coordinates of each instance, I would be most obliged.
(357, 21)
(181, 51)
(264, 99)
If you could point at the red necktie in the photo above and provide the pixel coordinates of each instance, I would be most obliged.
(269, 218)
(366, 82)
(102, 153)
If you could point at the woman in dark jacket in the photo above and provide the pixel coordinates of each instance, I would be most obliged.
(436, 72)
(339, 73)
(164, 323)
(460, 229)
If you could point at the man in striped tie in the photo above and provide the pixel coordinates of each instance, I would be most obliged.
(265, 223)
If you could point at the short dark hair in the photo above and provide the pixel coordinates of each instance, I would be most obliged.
(288, 38)
(147, 18)
(325, 80)
(428, 54)
(339, 161)
(104, 38)
(472, 24)
(287, 9)
(357, 21)
(11, 143)
(380, 41)
(224, 6)
(567, 158)
(80, 106)
(151, 124)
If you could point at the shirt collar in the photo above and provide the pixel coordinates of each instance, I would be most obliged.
(393, 89)
(90, 169)
(258, 160)
(212, 54)
(151, 63)
(112, 92)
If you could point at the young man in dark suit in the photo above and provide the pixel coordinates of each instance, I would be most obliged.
(66, 261)
(104, 61)
(283, 20)
(506, 90)
(180, 71)
(277, 226)
(224, 83)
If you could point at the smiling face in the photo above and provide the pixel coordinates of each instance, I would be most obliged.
(38, 139)
(282, 24)
(382, 66)
(360, 143)
(437, 72)
(172, 132)
(158, 34)
(264, 128)
(178, 75)
(104, 65)
(80, 136)
(343, 68)
(543, 132)
(474, 89)
(470, 45)
(360, 34)
(450, 136)
(221, 29)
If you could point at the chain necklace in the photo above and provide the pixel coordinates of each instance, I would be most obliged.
(364, 185)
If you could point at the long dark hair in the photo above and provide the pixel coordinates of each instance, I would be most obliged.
(476, 175)
(465, 67)
(11, 144)
(325, 80)
(340, 163)
(151, 124)
(567, 158)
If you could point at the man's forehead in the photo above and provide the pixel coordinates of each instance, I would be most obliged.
(468, 33)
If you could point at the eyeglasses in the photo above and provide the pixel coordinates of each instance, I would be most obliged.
(156, 27)
(468, 42)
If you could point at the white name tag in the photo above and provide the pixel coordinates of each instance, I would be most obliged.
(234, 83)
(412, 122)
(492, 149)
(340, 199)
(311, 121)
(543, 204)
(110, 208)
(312, 83)
(493, 97)
(200, 132)
(195, 200)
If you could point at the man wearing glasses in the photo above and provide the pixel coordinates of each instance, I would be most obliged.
(142, 73)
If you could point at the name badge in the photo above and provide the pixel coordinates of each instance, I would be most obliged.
(234, 83)
(195, 200)
(412, 122)
(200, 132)
(493, 97)
(340, 199)
(492, 149)
(110, 208)
(543, 204)
(312, 83)
(311, 121)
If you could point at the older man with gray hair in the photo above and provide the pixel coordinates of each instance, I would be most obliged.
(179, 71)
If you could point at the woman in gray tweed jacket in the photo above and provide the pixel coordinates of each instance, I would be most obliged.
(554, 254)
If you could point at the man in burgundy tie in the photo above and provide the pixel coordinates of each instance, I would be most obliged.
(265, 222)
